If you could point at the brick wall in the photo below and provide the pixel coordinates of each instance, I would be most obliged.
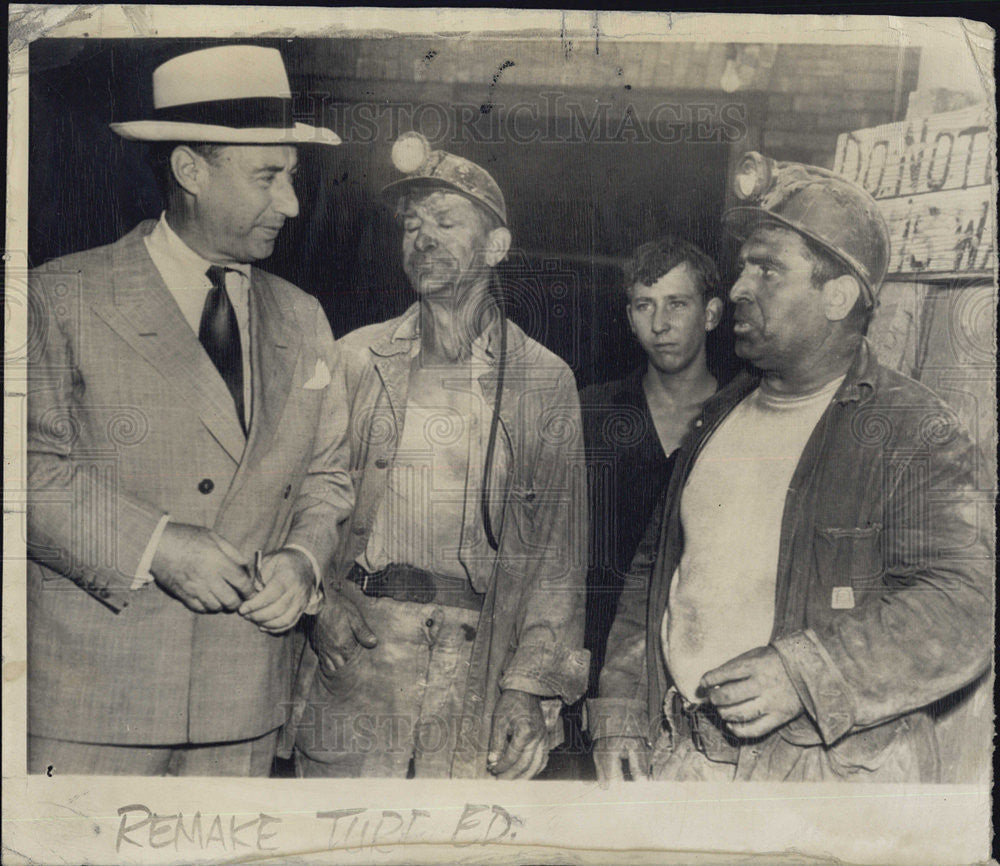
(810, 93)
(816, 92)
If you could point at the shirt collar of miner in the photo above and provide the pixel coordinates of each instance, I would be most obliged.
(485, 348)
(859, 384)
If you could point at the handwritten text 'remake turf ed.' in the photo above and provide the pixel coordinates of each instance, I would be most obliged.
(346, 829)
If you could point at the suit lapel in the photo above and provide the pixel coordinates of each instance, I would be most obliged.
(276, 343)
(144, 314)
(274, 350)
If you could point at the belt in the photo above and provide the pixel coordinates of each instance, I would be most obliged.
(408, 583)
(703, 724)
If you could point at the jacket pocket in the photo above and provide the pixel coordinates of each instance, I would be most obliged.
(879, 754)
(525, 549)
(849, 556)
(524, 498)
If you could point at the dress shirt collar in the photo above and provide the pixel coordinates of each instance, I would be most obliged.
(187, 268)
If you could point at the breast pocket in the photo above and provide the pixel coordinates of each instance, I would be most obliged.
(850, 556)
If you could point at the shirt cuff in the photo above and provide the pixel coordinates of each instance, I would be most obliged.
(548, 669)
(142, 573)
(316, 599)
(824, 692)
(617, 717)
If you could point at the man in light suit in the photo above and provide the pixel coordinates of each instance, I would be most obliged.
(186, 450)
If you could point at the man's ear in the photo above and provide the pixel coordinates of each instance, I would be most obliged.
(713, 313)
(497, 246)
(628, 312)
(839, 297)
(188, 169)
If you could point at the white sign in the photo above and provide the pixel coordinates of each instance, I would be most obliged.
(934, 179)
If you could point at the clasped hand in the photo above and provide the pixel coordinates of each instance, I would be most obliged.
(288, 580)
(208, 575)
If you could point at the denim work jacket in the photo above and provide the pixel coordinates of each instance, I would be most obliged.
(883, 603)
(530, 634)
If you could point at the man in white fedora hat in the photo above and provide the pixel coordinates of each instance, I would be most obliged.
(186, 450)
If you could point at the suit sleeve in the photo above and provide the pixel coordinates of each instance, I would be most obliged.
(927, 631)
(81, 524)
(326, 496)
(550, 552)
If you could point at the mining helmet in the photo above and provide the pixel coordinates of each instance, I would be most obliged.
(437, 169)
(826, 208)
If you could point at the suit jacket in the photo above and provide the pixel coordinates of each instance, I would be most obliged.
(128, 420)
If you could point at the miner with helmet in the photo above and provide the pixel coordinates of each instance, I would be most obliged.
(458, 631)
(818, 578)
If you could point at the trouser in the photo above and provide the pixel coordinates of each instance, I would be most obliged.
(696, 748)
(251, 757)
(400, 701)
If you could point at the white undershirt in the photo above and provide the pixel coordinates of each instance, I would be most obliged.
(722, 593)
(419, 520)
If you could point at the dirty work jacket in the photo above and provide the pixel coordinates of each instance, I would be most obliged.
(883, 602)
(530, 634)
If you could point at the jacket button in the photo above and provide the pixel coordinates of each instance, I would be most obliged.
(206, 486)
(381, 463)
(698, 423)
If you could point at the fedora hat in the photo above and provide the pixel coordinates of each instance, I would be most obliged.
(231, 94)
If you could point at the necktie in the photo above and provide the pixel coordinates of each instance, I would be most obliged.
(220, 335)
